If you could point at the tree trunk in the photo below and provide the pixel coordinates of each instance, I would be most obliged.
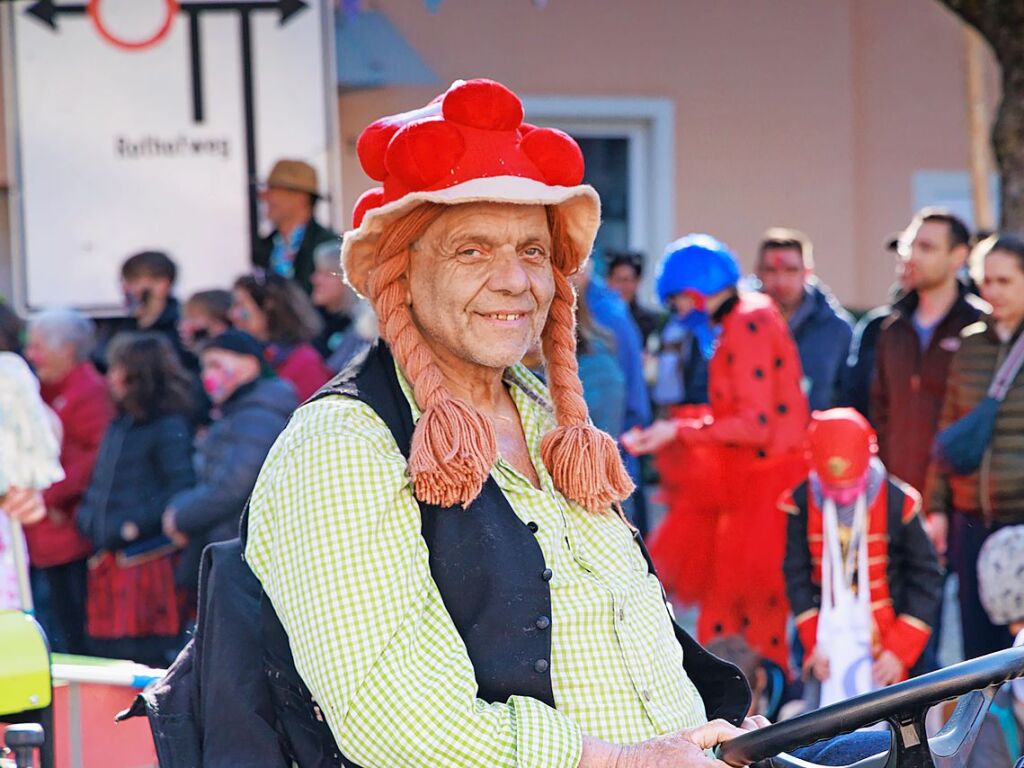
(1008, 144)
(1001, 23)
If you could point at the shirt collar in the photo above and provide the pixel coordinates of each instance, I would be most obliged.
(294, 240)
(535, 413)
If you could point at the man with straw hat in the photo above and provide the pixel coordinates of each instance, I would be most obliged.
(290, 194)
(439, 534)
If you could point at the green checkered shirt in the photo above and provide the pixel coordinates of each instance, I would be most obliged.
(334, 537)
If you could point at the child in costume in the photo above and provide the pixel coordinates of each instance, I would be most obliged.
(724, 467)
(861, 574)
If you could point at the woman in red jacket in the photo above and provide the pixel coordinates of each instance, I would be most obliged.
(279, 313)
(728, 468)
(59, 344)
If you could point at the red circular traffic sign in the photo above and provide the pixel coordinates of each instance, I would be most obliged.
(170, 11)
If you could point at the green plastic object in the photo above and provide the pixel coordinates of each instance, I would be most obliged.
(24, 664)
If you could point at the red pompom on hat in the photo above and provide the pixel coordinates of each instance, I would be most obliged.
(468, 145)
(841, 443)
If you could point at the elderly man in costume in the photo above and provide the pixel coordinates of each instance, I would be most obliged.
(438, 534)
(478, 601)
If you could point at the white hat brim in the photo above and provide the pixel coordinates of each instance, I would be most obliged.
(580, 205)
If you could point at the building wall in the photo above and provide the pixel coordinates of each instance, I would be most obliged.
(792, 112)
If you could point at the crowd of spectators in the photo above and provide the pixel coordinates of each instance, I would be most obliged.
(167, 415)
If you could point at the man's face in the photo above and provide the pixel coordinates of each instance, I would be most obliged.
(224, 372)
(52, 362)
(783, 275)
(480, 283)
(142, 292)
(624, 280)
(284, 205)
(197, 325)
(1003, 287)
(928, 260)
(329, 290)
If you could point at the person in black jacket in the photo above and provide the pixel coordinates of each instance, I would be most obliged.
(144, 459)
(147, 280)
(290, 195)
(251, 407)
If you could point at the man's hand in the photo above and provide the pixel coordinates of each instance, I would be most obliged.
(642, 441)
(171, 530)
(887, 669)
(683, 749)
(936, 525)
(817, 663)
(24, 505)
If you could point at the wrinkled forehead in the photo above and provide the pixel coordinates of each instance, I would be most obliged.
(492, 223)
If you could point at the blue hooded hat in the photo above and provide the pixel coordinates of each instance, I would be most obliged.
(699, 263)
(702, 264)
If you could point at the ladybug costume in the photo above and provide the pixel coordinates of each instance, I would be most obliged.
(723, 541)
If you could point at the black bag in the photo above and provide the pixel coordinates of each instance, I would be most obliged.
(960, 447)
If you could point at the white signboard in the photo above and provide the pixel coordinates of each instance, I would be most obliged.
(146, 125)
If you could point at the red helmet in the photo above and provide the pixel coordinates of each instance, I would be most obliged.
(841, 444)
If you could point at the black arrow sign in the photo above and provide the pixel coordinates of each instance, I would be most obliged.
(47, 12)
(287, 8)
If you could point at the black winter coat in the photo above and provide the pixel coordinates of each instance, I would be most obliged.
(140, 466)
(228, 460)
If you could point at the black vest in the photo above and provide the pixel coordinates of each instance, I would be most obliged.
(493, 580)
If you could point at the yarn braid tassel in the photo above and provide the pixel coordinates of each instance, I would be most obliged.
(583, 461)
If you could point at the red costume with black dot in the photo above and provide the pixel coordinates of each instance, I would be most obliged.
(723, 542)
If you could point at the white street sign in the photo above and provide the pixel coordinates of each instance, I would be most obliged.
(145, 124)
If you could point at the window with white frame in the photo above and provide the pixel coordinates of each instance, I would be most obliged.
(629, 148)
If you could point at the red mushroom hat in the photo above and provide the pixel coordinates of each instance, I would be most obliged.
(470, 144)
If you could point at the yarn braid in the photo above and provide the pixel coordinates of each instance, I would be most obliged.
(583, 461)
(453, 444)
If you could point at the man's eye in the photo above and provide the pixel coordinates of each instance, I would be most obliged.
(470, 253)
(535, 252)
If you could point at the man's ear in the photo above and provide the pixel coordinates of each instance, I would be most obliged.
(961, 253)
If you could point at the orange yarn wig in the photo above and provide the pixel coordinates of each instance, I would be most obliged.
(454, 445)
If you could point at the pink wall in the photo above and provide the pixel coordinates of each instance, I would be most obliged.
(910, 113)
(795, 112)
